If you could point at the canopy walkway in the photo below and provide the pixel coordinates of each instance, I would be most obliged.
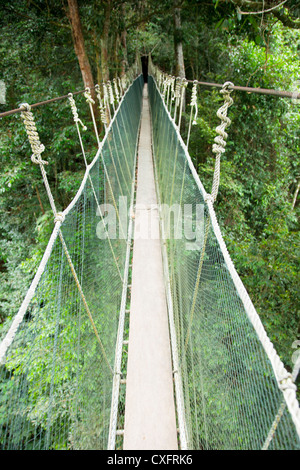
(137, 332)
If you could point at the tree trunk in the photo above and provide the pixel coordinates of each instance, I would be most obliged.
(180, 70)
(179, 67)
(78, 40)
(98, 58)
(124, 61)
(104, 41)
(117, 43)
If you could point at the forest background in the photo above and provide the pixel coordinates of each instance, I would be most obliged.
(50, 48)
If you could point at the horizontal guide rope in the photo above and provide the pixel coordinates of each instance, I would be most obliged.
(41, 103)
(261, 91)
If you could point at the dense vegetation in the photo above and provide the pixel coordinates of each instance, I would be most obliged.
(257, 203)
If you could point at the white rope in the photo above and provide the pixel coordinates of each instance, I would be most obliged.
(183, 84)
(103, 115)
(74, 111)
(177, 96)
(33, 137)
(194, 108)
(88, 96)
(8, 339)
(194, 103)
(117, 93)
(111, 93)
(120, 87)
(37, 149)
(220, 141)
(90, 101)
(106, 102)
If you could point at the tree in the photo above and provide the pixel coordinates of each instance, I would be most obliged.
(79, 46)
(179, 70)
(104, 40)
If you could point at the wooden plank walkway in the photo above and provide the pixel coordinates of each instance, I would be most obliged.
(150, 421)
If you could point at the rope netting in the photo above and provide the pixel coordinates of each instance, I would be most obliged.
(60, 358)
(232, 390)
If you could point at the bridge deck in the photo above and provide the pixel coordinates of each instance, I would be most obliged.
(150, 421)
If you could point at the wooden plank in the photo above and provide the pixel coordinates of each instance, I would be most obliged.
(150, 421)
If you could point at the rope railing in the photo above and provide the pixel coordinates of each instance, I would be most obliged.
(78, 295)
(209, 302)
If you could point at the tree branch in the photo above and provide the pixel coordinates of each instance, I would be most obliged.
(262, 11)
(296, 195)
(287, 20)
(284, 17)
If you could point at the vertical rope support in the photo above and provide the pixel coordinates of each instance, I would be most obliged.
(111, 95)
(194, 107)
(220, 140)
(177, 96)
(106, 102)
(103, 116)
(117, 93)
(37, 149)
(172, 92)
(76, 120)
(90, 101)
(184, 84)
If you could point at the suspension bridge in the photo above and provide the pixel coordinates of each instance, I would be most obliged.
(137, 331)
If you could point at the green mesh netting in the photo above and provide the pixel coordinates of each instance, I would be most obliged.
(229, 390)
(56, 379)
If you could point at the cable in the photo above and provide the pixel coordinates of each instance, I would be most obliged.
(262, 91)
(35, 105)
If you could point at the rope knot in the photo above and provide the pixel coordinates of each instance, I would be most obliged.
(59, 217)
(227, 87)
(117, 93)
(88, 96)
(74, 111)
(105, 93)
(194, 101)
(33, 136)
(220, 141)
(111, 93)
(286, 382)
(209, 198)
